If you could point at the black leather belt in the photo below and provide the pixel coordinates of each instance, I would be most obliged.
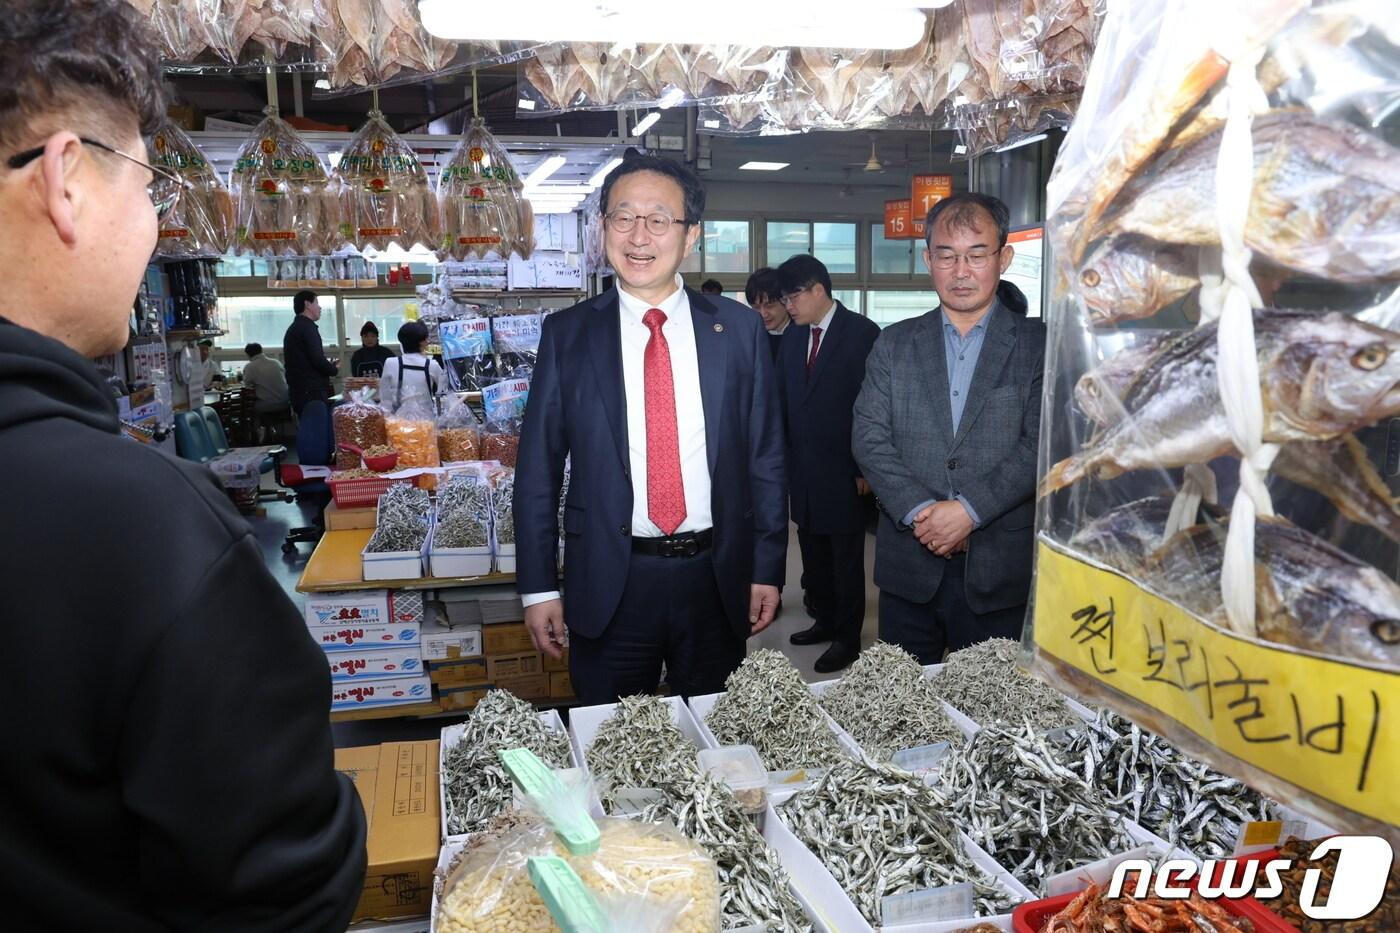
(686, 545)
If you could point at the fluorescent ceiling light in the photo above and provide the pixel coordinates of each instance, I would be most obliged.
(598, 176)
(763, 166)
(1022, 142)
(646, 123)
(581, 191)
(672, 97)
(546, 168)
(323, 84)
(525, 104)
(396, 255)
(553, 208)
(885, 24)
(711, 124)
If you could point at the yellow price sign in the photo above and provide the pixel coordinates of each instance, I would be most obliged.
(1330, 727)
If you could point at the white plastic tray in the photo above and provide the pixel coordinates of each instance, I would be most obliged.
(585, 720)
(700, 707)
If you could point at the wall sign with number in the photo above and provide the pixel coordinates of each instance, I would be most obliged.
(899, 220)
(924, 193)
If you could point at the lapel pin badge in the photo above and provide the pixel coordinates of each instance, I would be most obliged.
(719, 328)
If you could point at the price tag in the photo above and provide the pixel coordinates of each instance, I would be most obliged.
(1260, 835)
(951, 902)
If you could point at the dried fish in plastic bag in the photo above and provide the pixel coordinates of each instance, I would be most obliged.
(766, 704)
(986, 683)
(475, 785)
(881, 831)
(283, 201)
(886, 704)
(1035, 815)
(201, 221)
(385, 197)
(479, 193)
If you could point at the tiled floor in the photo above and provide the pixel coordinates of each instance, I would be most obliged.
(271, 527)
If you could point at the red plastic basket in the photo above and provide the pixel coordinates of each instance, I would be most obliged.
(361, 492)
(1031, 916)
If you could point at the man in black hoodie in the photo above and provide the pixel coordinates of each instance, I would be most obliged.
(168, 759)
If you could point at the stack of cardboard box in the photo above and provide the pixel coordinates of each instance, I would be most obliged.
(373, 645)
(484, 644)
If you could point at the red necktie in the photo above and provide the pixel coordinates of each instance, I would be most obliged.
(665, 487)
(812, 357)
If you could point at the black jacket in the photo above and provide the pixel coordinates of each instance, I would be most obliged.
(304, 357)
(369, 361)
(168, 760)
(817, 417)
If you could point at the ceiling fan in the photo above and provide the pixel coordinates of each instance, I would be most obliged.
(873, 165)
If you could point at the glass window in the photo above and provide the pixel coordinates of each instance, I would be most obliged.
(850, 297)
(265, 320)
(692, 262)
(888, 307)
(890, 257)
(242, 267)
(788, 239)
(835, 245)
(386, 313)
(727, 246)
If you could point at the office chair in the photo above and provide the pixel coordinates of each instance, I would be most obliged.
(315, 447)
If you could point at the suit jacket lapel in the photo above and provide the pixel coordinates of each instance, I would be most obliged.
(929, 345)
(712, 354)
(996, 350)
(605, 337)
(825, 351)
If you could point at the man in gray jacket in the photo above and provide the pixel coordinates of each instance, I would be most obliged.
(946, 428)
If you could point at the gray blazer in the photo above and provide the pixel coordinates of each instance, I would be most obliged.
(903, 440)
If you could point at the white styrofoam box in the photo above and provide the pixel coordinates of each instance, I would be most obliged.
(358, 637)
(823, 900)
(584, 722)
(385, 691)
(966, 726)
(374, 662)
(363, 607)
(459, 562)
(452, 734)
(437, 640)
(700, 707)
(1000, 921)
(505, 558)
(392, 565)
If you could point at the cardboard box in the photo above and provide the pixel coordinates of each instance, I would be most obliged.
(552, 666)
(500, 609)
(408, 605)
(524, 664)
(468, 673)
(365, 607)
(529, 687)
(401, 800)
(454, 700)
(338, 519)
(560, 686)
(385, 691)
(374, 662)
(460, 612)
(441, 643)
(362, 637)
(511, 638)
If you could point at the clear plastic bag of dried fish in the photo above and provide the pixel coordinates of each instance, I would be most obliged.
(886, 704)
(1222, 384)
(201, 221)
(385, 197)
(766, 704)
(475, 785)
(479, 194)
(880, 832)
(284, 203)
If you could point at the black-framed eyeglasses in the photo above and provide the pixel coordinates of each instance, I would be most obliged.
(791, 296)
(164, 189)
(625, 221)
(976, 259)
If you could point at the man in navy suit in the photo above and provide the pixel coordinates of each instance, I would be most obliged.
(675, 524)
(820, 368)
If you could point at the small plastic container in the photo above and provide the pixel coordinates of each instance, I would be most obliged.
(923, 761)
(798, 779)
(740, 767)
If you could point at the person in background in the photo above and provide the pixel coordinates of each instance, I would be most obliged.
(711, 287)
(267, 379)
(676, 519)
(209, 371)
(412, 380)
(764, 292)
(369, 360)
(1012, 298)
(820, 369)
(304, 356)
(168, 759)
(946, 428)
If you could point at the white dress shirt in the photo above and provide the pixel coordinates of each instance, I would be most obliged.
(679, 332)
(778, 332)
(825, 325)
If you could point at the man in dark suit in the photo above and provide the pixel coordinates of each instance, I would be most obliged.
(675, 523)
(303, 355)
(946, 428)
(764, 291)
(820, 369)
